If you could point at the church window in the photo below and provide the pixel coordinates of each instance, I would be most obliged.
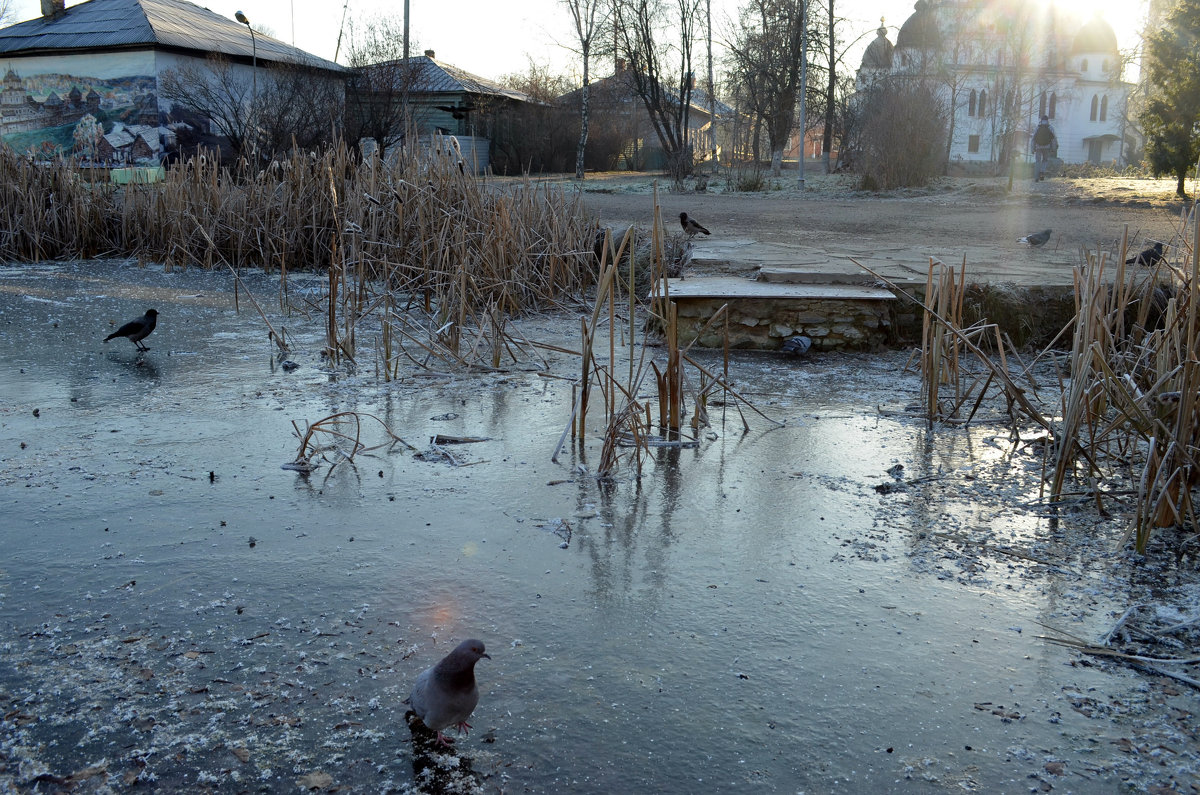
(1104, 108)
(972, 143)
(1095, 106)
(1083, 65)
(983, 102)
(971, 103)
(1053, 105)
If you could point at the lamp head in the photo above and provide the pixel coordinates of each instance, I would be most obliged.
(240, 17)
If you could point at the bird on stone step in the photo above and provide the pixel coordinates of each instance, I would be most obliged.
(137, 330)
(1149, 256)
(446, 694)
(1037, 239)
(690, 227)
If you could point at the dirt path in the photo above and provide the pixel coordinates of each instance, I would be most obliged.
(956, 217)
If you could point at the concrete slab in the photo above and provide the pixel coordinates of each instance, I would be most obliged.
(736, 288)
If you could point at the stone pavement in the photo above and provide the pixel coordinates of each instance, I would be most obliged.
(1050, 265)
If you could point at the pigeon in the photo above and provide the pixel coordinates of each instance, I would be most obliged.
(137, 330)
(446, 694)
(797, 345)
(1036, 240)
(690, 227)
(1148, 257)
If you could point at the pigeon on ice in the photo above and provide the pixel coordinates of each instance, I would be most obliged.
(137, 330)
(1148, 257)
(690, 227)
(1035, 240)
(446, 694)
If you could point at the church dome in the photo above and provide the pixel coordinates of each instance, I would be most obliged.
(878, 54)
(920, 31)
(1096, 36)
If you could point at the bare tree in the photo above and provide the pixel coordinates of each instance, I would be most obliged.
(656, 38)
(766, 57)
(299, 107)
(215, 92)
(591, 18)
(380, 82)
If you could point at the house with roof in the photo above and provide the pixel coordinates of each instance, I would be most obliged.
(999, 66)
(440, 100)
(613, 101)
(106, 59)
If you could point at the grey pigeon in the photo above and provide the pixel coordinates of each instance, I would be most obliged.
(446, 694)
(137, 330)
(1148, 257)
(690, 227)
(1036, 240)
(797, 345)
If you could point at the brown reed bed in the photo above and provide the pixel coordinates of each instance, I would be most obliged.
(410, 232)
(1127, 418)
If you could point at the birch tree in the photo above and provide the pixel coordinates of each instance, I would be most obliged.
(590, 18)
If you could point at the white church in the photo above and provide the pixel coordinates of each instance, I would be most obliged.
(1002, 64)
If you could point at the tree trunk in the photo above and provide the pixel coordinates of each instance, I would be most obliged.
(777, 160)
(1180, 177)
(583, 120)
(827, 138)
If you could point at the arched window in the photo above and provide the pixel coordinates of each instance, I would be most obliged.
(1083, 65)
(1104, 108)
(1104, 65)
(1095, 106)
(983, 102)
(1042, 105)
(1053, 104)
(971, 103)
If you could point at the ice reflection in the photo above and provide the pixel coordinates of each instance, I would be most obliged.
(751, 616)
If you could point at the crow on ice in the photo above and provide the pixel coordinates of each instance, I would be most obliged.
(137, 330)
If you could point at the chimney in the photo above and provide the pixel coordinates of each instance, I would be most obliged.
(53, 8)
(430, 55)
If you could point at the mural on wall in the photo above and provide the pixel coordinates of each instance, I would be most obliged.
(97, 121)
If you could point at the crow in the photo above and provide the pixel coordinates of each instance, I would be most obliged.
(1036, 240)
(1148, 257)
(690, 227)
(137, 330)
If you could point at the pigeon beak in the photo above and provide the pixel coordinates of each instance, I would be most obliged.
(485, 654)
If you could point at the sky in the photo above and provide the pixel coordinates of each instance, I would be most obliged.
(491, 38)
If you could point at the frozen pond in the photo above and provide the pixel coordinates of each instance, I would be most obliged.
(753, 617)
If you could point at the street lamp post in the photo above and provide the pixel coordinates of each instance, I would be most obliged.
(240, 17)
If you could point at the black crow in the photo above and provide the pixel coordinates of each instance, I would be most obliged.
(690, 227)
(1036, 240)
(1148, 257)
(137, 330)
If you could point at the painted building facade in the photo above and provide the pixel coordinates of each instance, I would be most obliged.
(84, 81)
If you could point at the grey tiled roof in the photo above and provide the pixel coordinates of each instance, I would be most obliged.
(101, 24)
(434, 77)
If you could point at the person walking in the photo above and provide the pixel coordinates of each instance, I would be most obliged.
(1045, 146)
